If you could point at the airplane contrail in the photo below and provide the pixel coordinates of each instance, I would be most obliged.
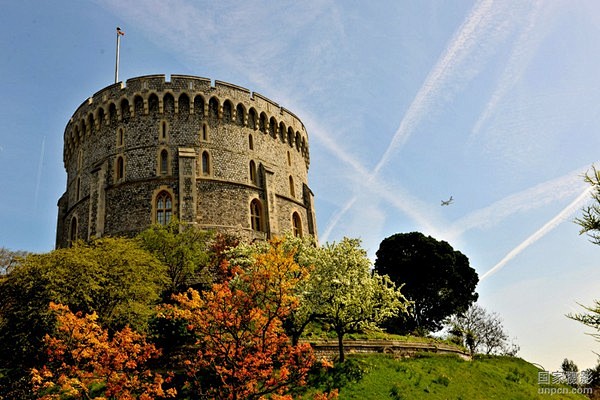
(458, 49)
(548, 226)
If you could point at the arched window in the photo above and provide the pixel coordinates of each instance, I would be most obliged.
(73, 231)
(253, 177)
(164, 129)
(213, 108)
(199, 106)
(168, 104)
(240, 114)
(164, 162)
(205, 163)
(252, 119)
(292, 191)
(124, 109)
(273, 127)
(296, 225)
(120, 168)
(120, 137)
(256, 215)
(153, 104)
(250, 142)
(78, 189)
(184, 104)
(282, 132)
(164, 208)
(227, 111)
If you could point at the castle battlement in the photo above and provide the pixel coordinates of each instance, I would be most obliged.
(121, 97)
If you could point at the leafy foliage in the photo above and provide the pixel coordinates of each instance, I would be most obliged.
(352, 297)
(590, 221)
(184, 251)
(437, 280)
(85, 363)
(112, 277)
(241, 349)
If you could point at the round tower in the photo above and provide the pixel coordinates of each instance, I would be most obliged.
(216, 156)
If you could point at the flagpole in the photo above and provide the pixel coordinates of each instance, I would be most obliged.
(119, 33)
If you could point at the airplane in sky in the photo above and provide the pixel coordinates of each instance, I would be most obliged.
(447, 202)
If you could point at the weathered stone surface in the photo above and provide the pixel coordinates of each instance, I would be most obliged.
(129, 142)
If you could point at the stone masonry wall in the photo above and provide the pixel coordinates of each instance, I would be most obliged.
(125, 144)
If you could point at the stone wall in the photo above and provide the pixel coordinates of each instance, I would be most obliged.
(195, 141)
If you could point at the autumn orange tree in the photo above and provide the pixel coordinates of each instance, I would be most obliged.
(85, 363)
(241, 350)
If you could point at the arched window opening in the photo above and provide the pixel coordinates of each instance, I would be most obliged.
(297, 141)
(138, 105)
(112, 113)
(125, 109)
(184, 104)
(169, 104)
(256, 216)
(163, 130)
(213, 108)
(164, 208)
(282, 132)
(153, 104)
(240, 114)
(262, 126)
(290, 137)
(78, 189)
(91, 126)
(296, 225)
(252, 118)
(273, 128)
(73, 231)
(120, 137)
(100, 116)
(205, 163)
(292, 191)
(253, 177)
(199, 106)
(120, 170)
(164, 162)
(250, 142)
(227, 111)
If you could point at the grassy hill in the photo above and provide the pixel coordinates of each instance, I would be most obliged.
(448, 377)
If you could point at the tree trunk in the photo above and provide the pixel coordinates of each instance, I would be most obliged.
(340, 335)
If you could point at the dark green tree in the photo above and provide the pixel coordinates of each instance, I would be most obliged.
(436, 278)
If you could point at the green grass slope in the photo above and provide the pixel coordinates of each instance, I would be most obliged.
(448, 377)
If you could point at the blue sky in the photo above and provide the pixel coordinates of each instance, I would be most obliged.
(406, 103)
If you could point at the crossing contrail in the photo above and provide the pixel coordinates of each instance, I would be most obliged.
(548, 226)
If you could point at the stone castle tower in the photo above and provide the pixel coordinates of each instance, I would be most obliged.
(216, 156)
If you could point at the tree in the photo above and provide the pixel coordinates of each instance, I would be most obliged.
(183, 250)
(590, 221)
(242, 351)
(111, 276)
(437, 280)
(84, 362)
(590, 319)
(353, 298)
(9, 259)
(480, 332)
